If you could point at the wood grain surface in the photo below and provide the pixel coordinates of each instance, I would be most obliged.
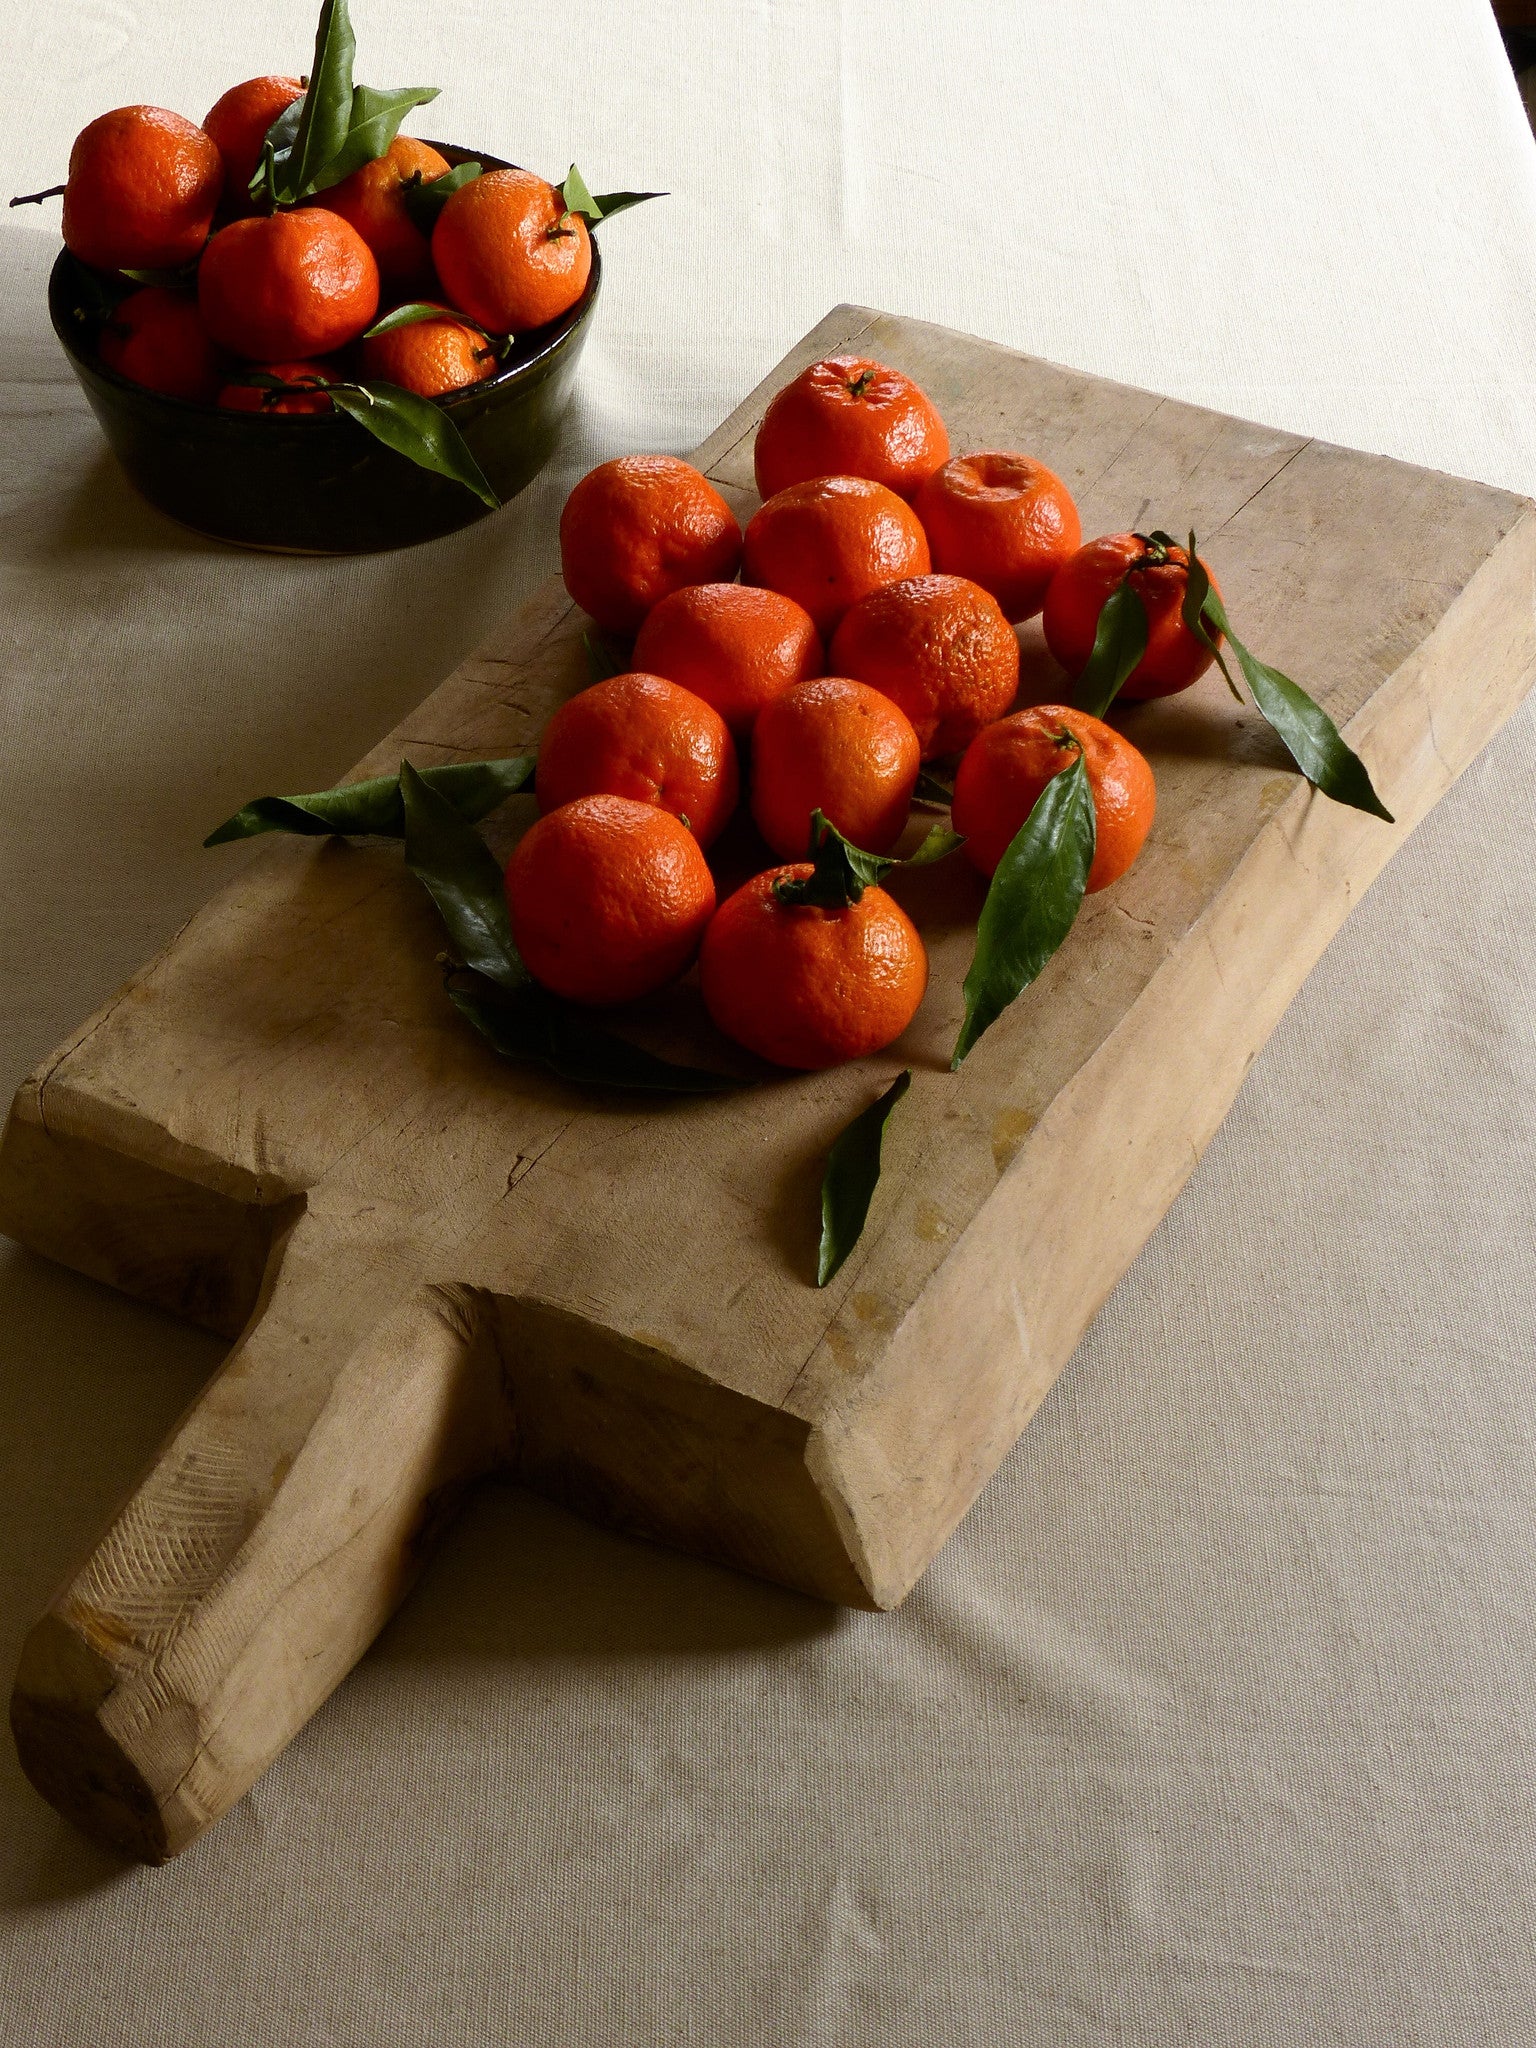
(433, 1264)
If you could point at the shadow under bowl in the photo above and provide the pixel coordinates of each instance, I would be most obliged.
(320, 483)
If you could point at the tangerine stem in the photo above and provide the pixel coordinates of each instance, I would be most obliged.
(37, 198)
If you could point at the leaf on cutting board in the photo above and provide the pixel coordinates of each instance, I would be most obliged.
(1311, 738)
(1118, 644)
(535, 1026)
(841, 871)
(464, 879)
(1033, 901)
(852, 1172)
(375, 807)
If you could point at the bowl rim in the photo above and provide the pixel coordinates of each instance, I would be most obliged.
(551, 338)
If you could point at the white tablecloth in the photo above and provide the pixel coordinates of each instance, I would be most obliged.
(1213, 1723)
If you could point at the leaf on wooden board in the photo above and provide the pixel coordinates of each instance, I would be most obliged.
(1033, 901)
(933, 790)
(1118, 644)
(1311, 738)
(425, 198)
(375, 807)
(463, 877)
(841, 871)
(603, 658)
(416, 428)
(848, 1185)
(534, 1025)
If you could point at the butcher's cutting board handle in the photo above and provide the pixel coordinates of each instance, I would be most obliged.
(277, 1532)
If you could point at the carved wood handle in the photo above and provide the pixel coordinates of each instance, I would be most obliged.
(278, 1530)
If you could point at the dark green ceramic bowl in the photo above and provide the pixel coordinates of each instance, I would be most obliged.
(319, 483)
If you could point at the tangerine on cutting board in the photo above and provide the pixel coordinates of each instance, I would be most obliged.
(836, 746)
(295, 283)
(939, 647)
(642, 737)
(732, 644)
(1159, 576)
(849, 416)
(809, 987)
(142, 188)
(157, 338)
(430, 357)
(1005, 521)
(372, 201)
(639, 527)
(1006, 767)
(608, 899)
(238, 122)
(509, 253)
(831, 540)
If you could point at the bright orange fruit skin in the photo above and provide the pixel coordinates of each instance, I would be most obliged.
(836, 746)
(732, 644)
(143, 185)
(849, 416)
(508, 254)
(830, 541)
(642, 737)
(939, 647)
(156, 338)
(639, 527)
(608, 899)
(806, 987)
(431, 357)
(1174, 658)
(260, 398)
(297, 283)
(1006, 767)
(238, 122)
(370, 200)
(1005, 521)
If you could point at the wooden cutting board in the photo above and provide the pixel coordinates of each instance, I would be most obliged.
(433, 1264)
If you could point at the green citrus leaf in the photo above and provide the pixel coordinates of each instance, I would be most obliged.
(463, 877)
(375, 807)
(1197, 588)
(533, 1025)
(848, 1185)
(277, 145)
(933, 790)
(576, 196)
(1311, 738)
(579, 200)
(603, 658)
(841, 871)
(610, 203)
(425, 198)
(417, 428)
(1034, 899)
(373, 125)
(326, 109)
(1118, 644)
(939, 844)
(418, 310)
